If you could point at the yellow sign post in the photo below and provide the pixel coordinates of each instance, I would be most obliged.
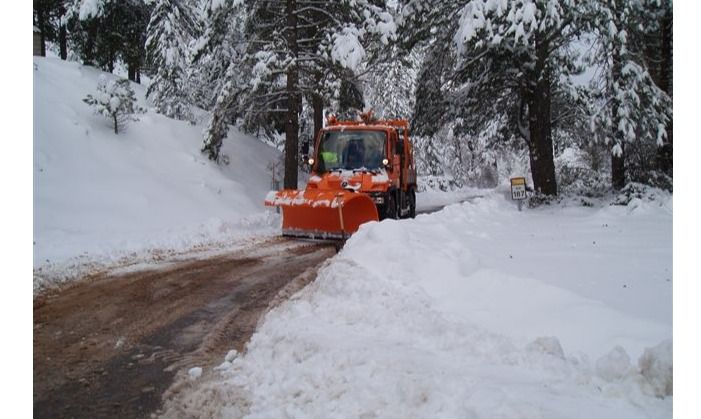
(518, 190)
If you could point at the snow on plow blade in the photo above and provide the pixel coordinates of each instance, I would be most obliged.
(322, 214)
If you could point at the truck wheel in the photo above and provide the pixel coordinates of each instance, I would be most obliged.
(412, 203)
(390, 209)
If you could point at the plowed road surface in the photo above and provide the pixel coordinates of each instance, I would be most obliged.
(115, 345)
(112, 345)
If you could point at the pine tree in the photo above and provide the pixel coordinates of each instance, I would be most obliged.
(134, 18)
(170, 31)
(221, 44)
(297, 50)
(432, 109)
(50, 17)
(115, 100)
(390, 85)
(494, 57)
(222, 70)
(659, 61)
(103, 32)
(84, 25)
(632, 107)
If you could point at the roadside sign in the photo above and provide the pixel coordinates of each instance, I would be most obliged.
(518, 188)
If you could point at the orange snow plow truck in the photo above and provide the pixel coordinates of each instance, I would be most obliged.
(360, 171)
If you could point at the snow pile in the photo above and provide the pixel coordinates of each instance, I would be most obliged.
(476, 311)
(656, 367)
(638, 197)
(100, 196)
(433, 199)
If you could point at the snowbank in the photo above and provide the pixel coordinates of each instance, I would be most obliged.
(101, 196)
(476, 311)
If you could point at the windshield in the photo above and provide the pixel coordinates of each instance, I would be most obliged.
(351, 150)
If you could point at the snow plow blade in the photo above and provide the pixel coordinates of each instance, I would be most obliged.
(324, 214)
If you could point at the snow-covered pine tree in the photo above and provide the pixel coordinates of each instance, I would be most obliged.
(659, 62)
(171, 29)
(42, 21)
(134, 16)
(510, 56)
(390, 85)
(220, 45)
(115, 100)
(222, 114)
(105, 31)
(296, 49)
(83, 24)
(632, 107)
(432, 109)
(50, 18)
(220, 70)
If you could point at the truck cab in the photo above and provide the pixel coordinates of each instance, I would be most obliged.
(375, 159)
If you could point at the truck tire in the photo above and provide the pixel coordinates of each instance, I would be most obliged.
(412, 204)
(390, 207)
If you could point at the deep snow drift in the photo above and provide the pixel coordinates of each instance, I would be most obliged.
(100, 196)
(478, 311)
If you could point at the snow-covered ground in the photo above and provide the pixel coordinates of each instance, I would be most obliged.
(99, 197)
(477, 311)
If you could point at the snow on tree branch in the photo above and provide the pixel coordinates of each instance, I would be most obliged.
(90, 9)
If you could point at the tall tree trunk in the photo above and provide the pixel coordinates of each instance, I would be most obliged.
(292, 122)
(618, 169)
(318, 105)
(134, 71)
(41, 21)
(90, 43)
(62, 35)
(540, 130)
(666, 51)
(540, 125)
(131, 71)
(665, 83)
(63, 42)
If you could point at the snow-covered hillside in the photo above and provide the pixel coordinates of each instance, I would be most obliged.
(101, 196)
(478, 311)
